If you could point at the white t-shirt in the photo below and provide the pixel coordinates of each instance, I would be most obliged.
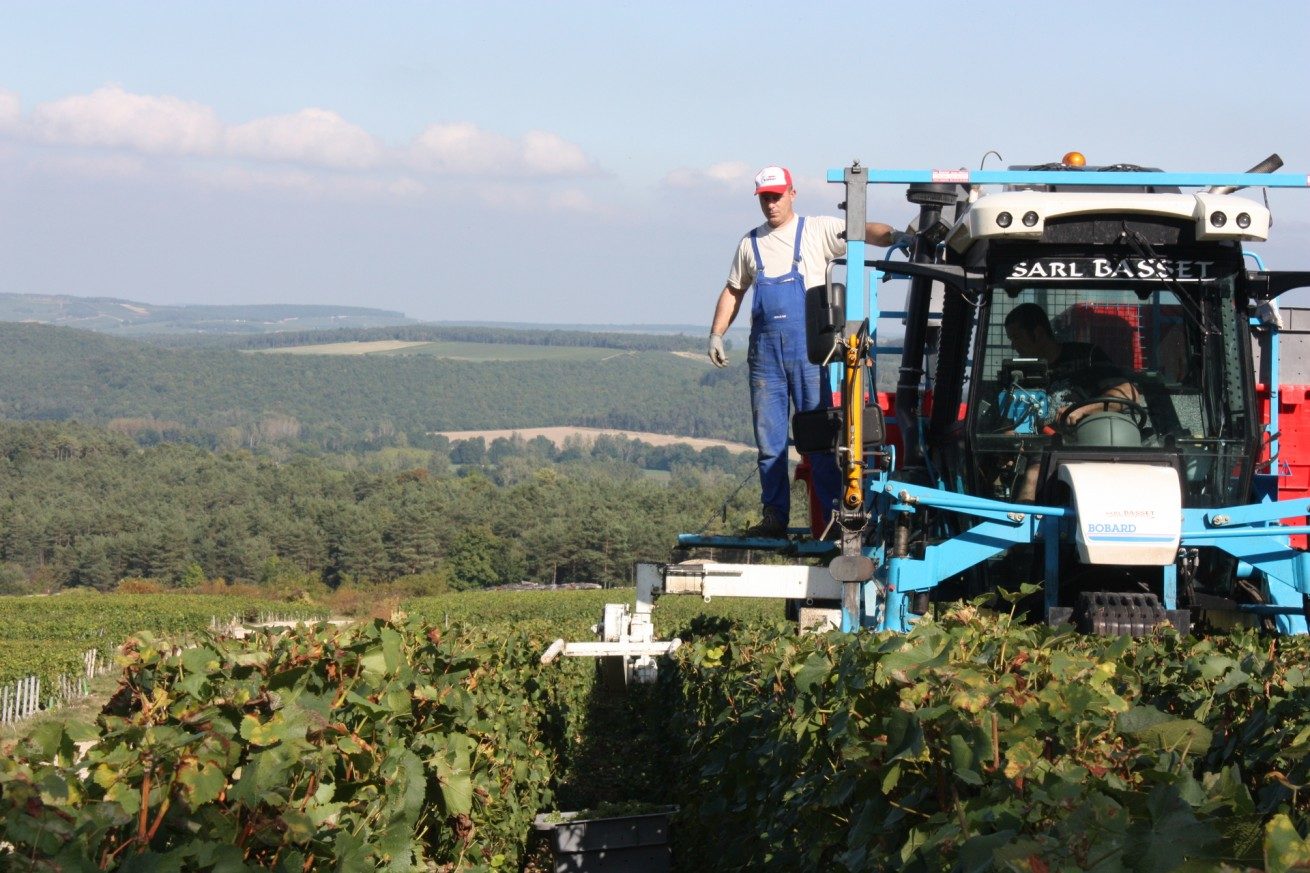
(821, 241)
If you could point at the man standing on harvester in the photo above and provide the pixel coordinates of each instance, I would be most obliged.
(781, 258)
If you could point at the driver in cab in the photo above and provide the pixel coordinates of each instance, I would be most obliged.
(1083, 379)
(1079, 372)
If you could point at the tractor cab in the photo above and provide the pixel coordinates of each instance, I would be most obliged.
(1101, 352)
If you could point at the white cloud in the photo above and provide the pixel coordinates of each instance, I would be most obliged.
(11, 110)
(723, 175)
(462, 147)
(311, 136)
(729, 172)
(114, 118)
(312, 151)
(92, 166)
(306, 182)
(552, 155)
(519, 198)
(574, 200)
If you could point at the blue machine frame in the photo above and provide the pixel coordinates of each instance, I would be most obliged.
(1250, 533)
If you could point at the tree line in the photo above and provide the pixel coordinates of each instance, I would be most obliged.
(477, 451)
(81, 506)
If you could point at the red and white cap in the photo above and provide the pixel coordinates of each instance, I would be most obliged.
(773, 180)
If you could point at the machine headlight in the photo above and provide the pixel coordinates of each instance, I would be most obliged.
(1218, 219)
(1003, 219)
(1243, 220)
(1029, 219)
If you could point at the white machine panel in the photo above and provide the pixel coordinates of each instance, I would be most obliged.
(1127, 513)
(710, 580)
(984, 218)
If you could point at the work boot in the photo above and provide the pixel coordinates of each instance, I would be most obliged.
(772, 526)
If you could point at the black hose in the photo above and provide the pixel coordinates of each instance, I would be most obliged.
(931, 199)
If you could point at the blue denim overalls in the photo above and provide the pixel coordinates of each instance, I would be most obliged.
(781, 374)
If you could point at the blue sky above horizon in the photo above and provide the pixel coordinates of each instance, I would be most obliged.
(572, 162)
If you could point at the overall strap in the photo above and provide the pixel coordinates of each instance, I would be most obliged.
(755, 246)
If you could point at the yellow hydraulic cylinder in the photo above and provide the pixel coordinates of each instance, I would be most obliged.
(853, 402)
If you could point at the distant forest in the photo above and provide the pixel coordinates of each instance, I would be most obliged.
(125, 460)
(80, 506)
(228, 399)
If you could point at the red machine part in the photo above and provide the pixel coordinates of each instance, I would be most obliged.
(1293, 466)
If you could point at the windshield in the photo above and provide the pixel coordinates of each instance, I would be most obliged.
(1124, 370)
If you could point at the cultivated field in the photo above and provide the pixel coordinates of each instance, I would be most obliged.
(459, 351)
(558, 435)
(352, 348)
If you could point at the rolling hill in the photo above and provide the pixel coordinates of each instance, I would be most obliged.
(229, 397)
(129, 318)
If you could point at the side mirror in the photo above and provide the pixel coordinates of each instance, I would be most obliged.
(825, 319)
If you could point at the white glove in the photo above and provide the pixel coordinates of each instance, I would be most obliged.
(1268, 312)
(718, 357)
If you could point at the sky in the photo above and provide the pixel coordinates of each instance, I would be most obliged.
(574, 162)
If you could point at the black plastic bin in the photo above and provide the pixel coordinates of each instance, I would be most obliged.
(636, 843)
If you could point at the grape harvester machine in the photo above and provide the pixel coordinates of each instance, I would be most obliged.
(1164, 477)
